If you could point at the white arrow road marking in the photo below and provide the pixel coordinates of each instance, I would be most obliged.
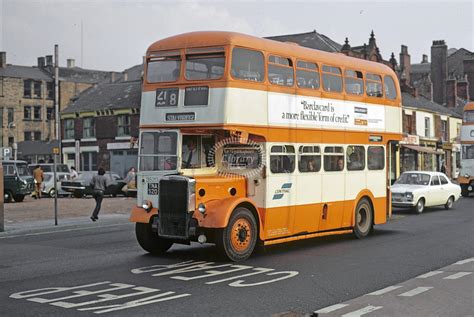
(385, 290)
(457, 275)
(416, 291)
(430, 274)
(363, 311)
(330, 308)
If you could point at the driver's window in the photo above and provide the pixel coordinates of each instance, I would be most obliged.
(434, 181)
(196, 150)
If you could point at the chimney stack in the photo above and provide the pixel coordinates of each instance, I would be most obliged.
(41, 62)
(405, 64)
(3, 59)
(439, 70)
(71, 63)
(424, 59)
(112, 77)
(125, 76)
(49, 60)
(451, 92)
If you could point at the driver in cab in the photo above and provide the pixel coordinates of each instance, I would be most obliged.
(191, 156)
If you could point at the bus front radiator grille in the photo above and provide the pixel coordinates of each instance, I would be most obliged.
(173, 207)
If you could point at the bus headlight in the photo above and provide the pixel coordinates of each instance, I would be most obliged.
(147, 205)
(202, 208)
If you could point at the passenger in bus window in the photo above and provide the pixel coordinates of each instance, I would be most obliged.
(340, 164)
(311, 165)
(355, 162)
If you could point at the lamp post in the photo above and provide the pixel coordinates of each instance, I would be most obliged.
(10, 127)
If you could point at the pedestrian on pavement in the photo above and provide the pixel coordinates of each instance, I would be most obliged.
(38, 175)
(98, 183)
(73, 174)
(130, 182)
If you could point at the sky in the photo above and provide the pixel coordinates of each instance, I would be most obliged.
(116, 34)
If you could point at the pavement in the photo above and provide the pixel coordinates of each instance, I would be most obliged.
(37, 215)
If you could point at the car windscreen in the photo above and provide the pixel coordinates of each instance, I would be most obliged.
(414, 179)
(22, 170)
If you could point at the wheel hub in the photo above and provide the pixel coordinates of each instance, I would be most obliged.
(241, 235)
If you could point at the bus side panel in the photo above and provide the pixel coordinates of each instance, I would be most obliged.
(376, 183)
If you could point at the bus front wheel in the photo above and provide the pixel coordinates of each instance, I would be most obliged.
(149, 240)
(364, 220)
(237, 241)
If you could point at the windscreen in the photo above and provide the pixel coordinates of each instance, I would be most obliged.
(158, 151)
(22, 170)
(414, 179)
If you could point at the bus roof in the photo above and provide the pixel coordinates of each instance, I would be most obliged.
(469, 106)
(219, 38)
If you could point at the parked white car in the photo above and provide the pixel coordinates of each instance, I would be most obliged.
(424, 189)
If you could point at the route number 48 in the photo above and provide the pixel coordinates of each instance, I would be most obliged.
(167, 97)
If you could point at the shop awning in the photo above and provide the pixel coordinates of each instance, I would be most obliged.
(423, 149)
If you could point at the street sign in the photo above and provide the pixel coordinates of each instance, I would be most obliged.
(55, 150)
(6, 152)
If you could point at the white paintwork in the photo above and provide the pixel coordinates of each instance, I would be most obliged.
(464, 261)
(457, 275)
(433, 195)
(420, 124)
(416, 291)
(430, 274)
(362, 311)
(330, 308)
(385, 290)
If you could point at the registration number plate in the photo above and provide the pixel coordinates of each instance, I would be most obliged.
(152, 188)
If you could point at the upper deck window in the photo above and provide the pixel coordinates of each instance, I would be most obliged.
(247, 64)
(373, 85)
(307, 75)
(390, 90)
(332, 78)
(164, 67)
(354, 82)
(202, 65)
(280, 71)
(469, 116)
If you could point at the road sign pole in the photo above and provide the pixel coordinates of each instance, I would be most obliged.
(2, 216)
(55, 150)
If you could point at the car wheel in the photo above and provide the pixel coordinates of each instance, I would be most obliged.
(464, 191)
(52, 192)
(78, 195)
(238, 240)
(19, 198)
(149, 240)
(449, 203)
(7, 197)
(364, 221)
(420, 206)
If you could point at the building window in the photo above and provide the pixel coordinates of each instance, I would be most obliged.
(123, 125)
(50, 113)
(444, 130)
(27, 88)
(409, 123)
(37, 89)
(27, 113)
(427, 127)
(50, 90)
(37, 135)
(69, 129)
(11, 140)
(89, 128)
(1, 86)
(27, 135)
(89, 161)
(37, 113)
(1, 120)
(11, 115)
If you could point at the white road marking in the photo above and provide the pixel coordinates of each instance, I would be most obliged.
(430, 274)
(363, 311)
(464, 261)
(457, 275)
(416, 291)
(329, 309)
(385, 290)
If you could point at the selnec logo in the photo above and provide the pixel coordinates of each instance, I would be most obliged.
(279, 193)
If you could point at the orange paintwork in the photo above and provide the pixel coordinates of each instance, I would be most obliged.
(229, 40)
(218, 187)
(464, 180)
(306, 236)
(139, 214)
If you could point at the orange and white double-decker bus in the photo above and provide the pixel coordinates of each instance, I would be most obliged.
(466, 174)
(247, 141)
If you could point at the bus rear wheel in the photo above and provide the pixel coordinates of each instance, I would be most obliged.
(364, 220)
(238, 240)
(149, 240)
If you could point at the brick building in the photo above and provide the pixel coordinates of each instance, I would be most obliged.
(101, 126)
(27, 99)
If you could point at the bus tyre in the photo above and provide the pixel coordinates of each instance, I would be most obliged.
(449, 203)
(420, 206)
(364, 220)
(237, 241)
(149, 240)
